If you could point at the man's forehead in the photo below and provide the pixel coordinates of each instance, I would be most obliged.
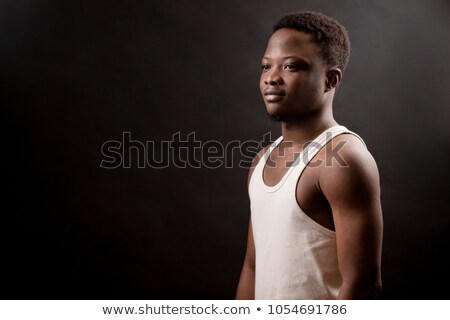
(291, 38)
(290, 42)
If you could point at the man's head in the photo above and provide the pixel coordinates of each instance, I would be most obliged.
(303, 64)
(331, 37)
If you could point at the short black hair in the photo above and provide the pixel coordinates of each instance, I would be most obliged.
(331, 36)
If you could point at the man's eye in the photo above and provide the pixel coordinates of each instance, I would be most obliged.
(265, 67)
(290, 67)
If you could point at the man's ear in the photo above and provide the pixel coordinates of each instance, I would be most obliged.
(333, 78)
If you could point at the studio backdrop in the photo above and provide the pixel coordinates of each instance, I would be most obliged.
(129, 125)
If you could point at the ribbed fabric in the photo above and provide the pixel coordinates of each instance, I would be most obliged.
(296, 258)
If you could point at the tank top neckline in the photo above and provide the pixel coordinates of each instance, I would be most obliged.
(319, 139)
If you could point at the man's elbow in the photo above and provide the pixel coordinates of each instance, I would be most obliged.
(363, 288)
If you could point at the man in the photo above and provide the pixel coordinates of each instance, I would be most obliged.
(315, 229)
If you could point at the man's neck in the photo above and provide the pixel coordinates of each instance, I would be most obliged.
(302, 130)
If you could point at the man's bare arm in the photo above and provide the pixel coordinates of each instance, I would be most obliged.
(353, 192)
(246, 286)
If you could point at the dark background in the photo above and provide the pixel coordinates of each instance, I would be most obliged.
(75, 74)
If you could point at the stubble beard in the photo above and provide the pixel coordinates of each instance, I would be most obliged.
(283, 118)
(276, 118)
(290, 116)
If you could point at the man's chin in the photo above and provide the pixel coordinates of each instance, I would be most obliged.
(285, 117)
(276, 117)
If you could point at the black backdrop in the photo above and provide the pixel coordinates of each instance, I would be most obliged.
(75, 74)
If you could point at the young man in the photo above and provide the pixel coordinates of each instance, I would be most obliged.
(315, 229)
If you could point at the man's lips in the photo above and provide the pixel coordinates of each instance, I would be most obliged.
(273, 95)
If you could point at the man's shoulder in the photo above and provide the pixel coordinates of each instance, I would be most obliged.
(347, 147)
(348, 161)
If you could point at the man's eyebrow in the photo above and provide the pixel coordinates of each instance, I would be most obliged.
(289, 57)
(296, 57)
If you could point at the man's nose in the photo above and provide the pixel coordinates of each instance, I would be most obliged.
(273, 78)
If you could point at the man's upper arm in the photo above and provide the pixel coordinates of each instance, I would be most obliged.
(353, 192)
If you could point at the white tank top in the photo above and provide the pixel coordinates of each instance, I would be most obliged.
(296, 258)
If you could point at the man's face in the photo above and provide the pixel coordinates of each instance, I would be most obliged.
(293, 75)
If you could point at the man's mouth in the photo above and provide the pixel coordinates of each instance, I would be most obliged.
(274, 95)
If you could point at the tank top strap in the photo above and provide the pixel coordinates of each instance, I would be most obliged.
(257, 174)
(311, 150)
(318, 143)
(300, 162)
